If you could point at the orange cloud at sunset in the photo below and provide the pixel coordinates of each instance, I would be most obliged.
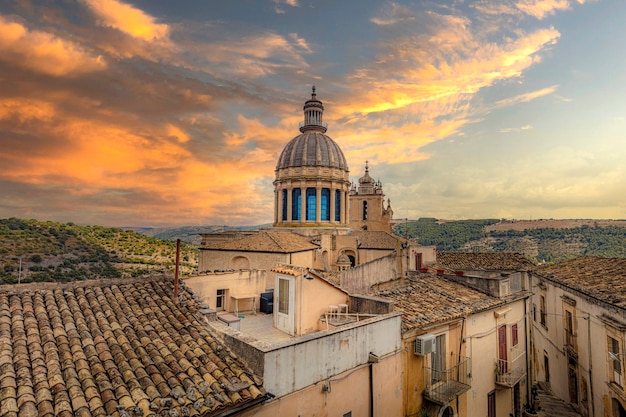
(128, 19)
(43, 52)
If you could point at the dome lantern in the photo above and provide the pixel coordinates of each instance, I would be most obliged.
(313, 111)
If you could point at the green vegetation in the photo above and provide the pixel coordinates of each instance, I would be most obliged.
(549, 244)
(446, 236)
(36, 251)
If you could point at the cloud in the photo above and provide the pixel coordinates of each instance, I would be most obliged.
(393, 14)
(45, 53)
(523, 98)
(542, 8)
(515, 129)
(279, 3)
(128, 19)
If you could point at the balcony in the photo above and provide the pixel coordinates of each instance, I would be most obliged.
(444, 386)
(570, 343)
(510, 372)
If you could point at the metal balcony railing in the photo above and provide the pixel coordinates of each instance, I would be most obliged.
(442, 386)
(509, 372)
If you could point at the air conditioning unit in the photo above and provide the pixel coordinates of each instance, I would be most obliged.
(424, 344)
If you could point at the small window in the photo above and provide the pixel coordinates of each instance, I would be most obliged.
(616, 360)
(283, 296)
(348, 414)
(365, 210)
(219, 299)
(542, 307)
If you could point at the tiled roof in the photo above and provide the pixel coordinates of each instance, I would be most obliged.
(600, 278)
(267, 241)
(491, 261)
(432, 299)
(376, 239)
(113, 348)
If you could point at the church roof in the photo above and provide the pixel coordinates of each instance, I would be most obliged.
(432, 299)
(377, 239)
(312, 148)
(267, 241)
(114, 347)
(491, 261)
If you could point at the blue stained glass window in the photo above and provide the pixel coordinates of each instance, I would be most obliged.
(284, 204)
(325, 205)
(311, 203)
(337, 205)
(296, 203)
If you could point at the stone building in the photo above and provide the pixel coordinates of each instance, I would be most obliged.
(579, 333)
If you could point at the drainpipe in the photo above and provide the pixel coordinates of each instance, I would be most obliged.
(529, 351)
(593, 411)
(372, 359)
(371, 390)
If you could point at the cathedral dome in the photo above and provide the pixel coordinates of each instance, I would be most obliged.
(312, 176)
(312, 148)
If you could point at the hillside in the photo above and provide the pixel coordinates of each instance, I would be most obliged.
(538, 240)
(50, 251)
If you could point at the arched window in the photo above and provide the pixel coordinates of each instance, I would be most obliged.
(337, 205)
(284, 205)
(296, 203)
(325, 205)
(365, 210)
(311, 203)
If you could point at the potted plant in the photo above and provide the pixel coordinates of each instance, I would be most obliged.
(459, 273)
(441, 271)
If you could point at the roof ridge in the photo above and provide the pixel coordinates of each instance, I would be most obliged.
(275, 241)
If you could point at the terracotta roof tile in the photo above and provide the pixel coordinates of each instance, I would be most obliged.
(432, 299)
(267, 241)
(121, 349)
(492, 261)
(377, 239)
(600, 278)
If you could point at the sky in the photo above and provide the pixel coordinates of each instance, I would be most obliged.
(158, 113)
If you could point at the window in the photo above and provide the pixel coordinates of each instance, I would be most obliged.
(542, 310)
(514, 339)
(569, 328)
(219, 299)
(337, 205)
(325, 205)
(283, 296)
(284, 205)
(503, 363)
(616, 361)
(438, 359)
(534, 312)
(348, 414)
(491, 404)
(296, 204)
(311, 203)
(365, 210)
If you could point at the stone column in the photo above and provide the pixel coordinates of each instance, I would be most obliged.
(289, 204)
(332, 203)
(318, 204)
(303, 204)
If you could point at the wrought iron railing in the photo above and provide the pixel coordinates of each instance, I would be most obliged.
(510, 371)
(442, 386)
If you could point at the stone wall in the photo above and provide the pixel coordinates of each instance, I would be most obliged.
(359, 280)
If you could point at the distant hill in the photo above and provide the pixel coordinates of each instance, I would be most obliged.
(544, 240)
(32, 251)
(190, 234)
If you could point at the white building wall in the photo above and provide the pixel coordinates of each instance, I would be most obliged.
(324, 355)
